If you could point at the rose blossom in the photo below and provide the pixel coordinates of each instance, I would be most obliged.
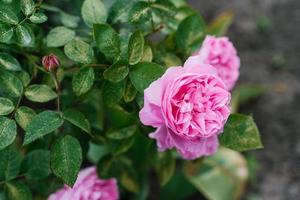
(189, 106)
(221, 54)
(88, 187)
(50, 62)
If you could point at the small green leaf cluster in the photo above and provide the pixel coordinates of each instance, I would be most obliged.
(86, 111)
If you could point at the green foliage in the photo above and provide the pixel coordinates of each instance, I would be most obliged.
(108, 41)
(116, 72)
(83, 80)
(66, 159)
(136, 48)
(39, 93)
(41, 125)
(241, 133)
(86, 110)
(93, 12)
(59, 36)
(6, 106)
(9, 62)
(24, 115)
(219, 177)
(143, 74)
(10, 162)
(8, 16)
(78, 119)
(190, 33)
(17, 191)
(79, 51)
(36, 165)
(8, 132)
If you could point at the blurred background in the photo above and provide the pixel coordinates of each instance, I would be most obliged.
(266, 34)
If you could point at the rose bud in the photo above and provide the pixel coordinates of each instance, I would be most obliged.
(50, 62)
(189, 107)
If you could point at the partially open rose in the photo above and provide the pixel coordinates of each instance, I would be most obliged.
(221, 54)
(88, 187)
(189, 106)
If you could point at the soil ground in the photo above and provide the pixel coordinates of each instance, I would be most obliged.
(270, 57)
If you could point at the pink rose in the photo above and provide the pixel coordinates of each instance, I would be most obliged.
(221, 54)
(189, 106)
(88, 187)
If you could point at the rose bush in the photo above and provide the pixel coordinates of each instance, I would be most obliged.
(92, 105)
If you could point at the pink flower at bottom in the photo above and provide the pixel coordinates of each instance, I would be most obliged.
(221, 54)
(189, 106)
(88, 187)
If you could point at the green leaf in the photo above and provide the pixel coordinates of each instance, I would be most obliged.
(118, 117)
(27, 7)
(121, 146)
(113, 92)
(117, 72)
(130, 92)
(40, 93)
(18, 191)
(136, 47)
(147, 55)
(41, 125)
(9, 62)
(8, 16)
(78, 119)
(59, 36)
(108, 41)
(93, 12)
(164, 8)
(6, 32)
(24, 115)
(165, 167)
(38, 18)
(69, 20)
(23, 35)
(79, 51)
(140, 13)
(10, 161)
(220, 24)
(219, 177)
(36, 165)
(129, 181)
(143, 74)
(240, 133)
(122, 133)
(83, 81)
(170, 59)
(119, 11)
(8, 132)
(66, 159)
(6, 106)
(11, 86)
(24, 77)
(190, 33)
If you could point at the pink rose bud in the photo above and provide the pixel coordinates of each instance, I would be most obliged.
(189, 106)
(50, 62)
(88, 187)
(221, 54)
